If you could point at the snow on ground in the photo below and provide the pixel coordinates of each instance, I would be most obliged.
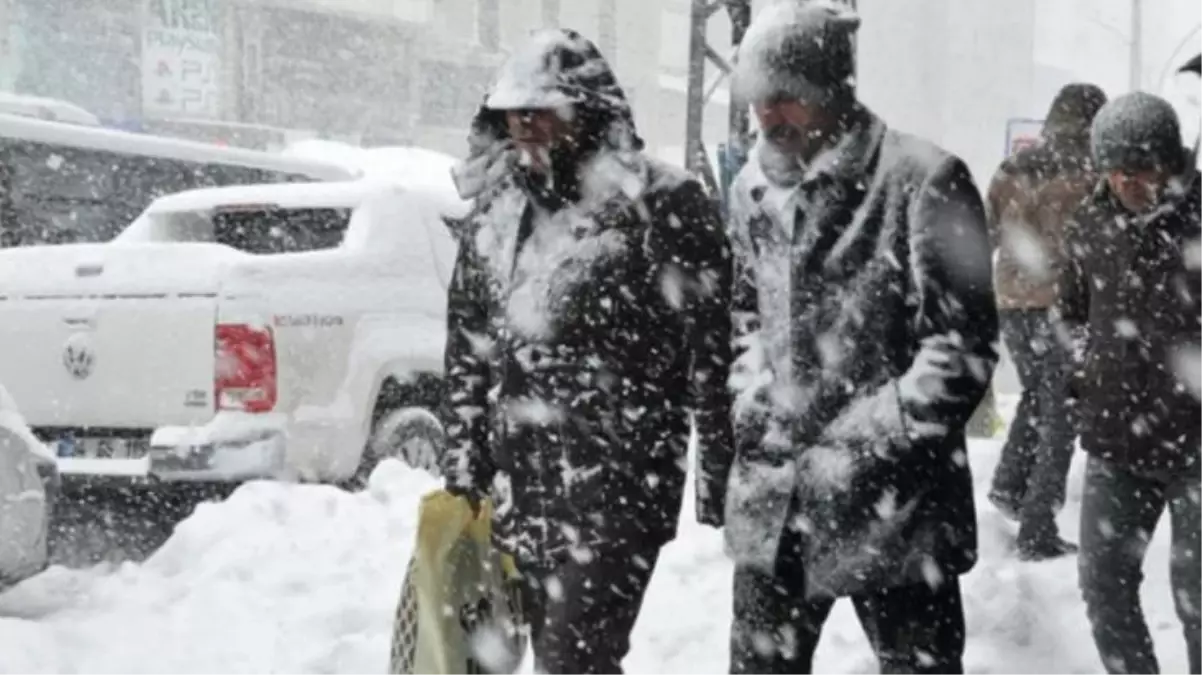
(287, 578)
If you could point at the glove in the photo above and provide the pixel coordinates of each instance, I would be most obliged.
(828, 470)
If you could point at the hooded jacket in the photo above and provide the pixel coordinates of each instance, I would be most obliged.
(1034, 194)
(572, 374)
(1132, 296)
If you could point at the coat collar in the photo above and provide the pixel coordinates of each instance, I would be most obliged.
(847, 160)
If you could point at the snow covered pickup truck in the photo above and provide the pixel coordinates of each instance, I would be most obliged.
(290, 331)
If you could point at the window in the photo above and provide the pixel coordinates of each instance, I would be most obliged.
(56, 194)
(257, 230)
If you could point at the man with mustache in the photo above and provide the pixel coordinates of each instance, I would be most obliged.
(863, 289)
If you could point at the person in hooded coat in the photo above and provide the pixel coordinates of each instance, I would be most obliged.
(1033, 195)
(588, 318)
(1131, 298)
(867, 331)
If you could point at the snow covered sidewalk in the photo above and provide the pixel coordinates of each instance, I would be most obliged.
(286, 578)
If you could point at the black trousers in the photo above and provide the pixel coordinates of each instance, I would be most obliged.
(1035, 461)
(581, 612)
(1119, 513)
(912, 629)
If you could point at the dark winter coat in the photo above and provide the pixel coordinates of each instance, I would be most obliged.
(1034, 193)
(572, 376)
(870, 284)
(1131, 297)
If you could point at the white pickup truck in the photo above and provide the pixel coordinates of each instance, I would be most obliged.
(290, 331)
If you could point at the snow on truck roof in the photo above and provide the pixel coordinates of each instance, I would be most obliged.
(124, 142)
(45, 108)
(340, 194)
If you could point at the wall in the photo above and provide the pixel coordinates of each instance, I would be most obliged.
(950, 70)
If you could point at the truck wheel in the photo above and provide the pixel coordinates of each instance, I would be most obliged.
(413, 435)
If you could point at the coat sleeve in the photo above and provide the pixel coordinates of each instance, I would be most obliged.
(466, 463)
(703, 253)
(1071, 311)
(1001, 193)
(954, 329)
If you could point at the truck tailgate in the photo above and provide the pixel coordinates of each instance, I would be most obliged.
(110, 337)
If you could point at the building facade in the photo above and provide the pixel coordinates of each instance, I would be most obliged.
(260, 73)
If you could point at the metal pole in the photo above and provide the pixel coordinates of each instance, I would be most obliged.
(1137, 42)
(739, 134)
(696, 88)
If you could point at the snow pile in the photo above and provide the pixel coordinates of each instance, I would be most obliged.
(287, 578)
(277, 578)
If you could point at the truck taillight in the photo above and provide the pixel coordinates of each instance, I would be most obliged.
(244, 375)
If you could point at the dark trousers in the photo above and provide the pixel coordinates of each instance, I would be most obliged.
(1037, 455)
(1119, 512)
(912, 629)
(581, 612)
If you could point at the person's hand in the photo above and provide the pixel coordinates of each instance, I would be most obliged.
(473, 496)
(827, 469)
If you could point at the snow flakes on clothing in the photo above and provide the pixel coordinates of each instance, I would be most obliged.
(531, 76)
(872, 344)
(799, 48)
(604, 293)
(558, 259)
(557, 69)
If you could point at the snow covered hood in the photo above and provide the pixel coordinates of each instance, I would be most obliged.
(556, 69)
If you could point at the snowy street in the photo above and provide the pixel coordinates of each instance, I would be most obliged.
(284, 578)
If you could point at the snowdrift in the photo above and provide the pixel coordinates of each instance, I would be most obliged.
(287, 578)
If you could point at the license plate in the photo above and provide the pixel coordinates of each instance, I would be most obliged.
(102, 448)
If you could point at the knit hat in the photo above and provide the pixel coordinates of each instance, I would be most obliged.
(1137, 131)
(799, 48)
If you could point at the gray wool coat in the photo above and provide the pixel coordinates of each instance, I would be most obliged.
(867, 334)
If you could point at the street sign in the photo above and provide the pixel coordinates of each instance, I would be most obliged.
(181, 60)
(1022, 133)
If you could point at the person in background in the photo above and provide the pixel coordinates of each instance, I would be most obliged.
(1033, 195)
(588, 317)
(867, 331)
(1130, 297)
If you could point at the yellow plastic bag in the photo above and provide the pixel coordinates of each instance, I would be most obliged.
(459, 610)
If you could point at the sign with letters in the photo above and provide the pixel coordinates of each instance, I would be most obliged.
(181, 59)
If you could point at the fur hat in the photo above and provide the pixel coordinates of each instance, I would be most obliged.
(803, 49)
